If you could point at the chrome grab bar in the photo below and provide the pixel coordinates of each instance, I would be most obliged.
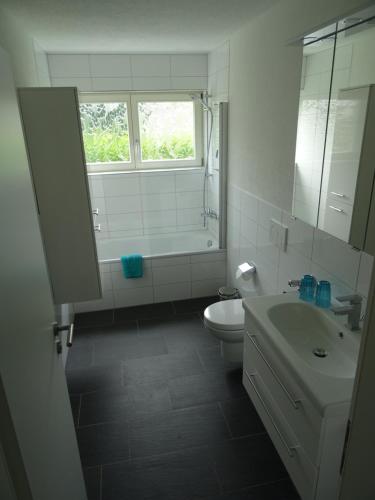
(295, 402)
(336, 209)
(290, 449)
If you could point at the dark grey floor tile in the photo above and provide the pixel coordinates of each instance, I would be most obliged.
(176, 430)
(122, 342)
(80, 355)
(242, 417)
(93, 482)
(281, 490)
(245, 462)
(183, 475)
(124, 404)
(212, 360)
(103, 443)
(95, 318)
(148, 311)
(94, 378)
(75, 403)
(181, 333)
(194, 305)
(160, 368)
(204, 388)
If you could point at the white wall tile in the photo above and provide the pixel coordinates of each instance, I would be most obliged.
(121, 185)
(151, 83)
(106, 302)
(133, 297)
(106, 281)
(364, 274)
(189, 216)
(159, 218)
(189, 82)
(173, 291)
(68, 65)
(208, 257)
(300, 235)
(248, 228)
(96, 186)
(119, 281)
(190, 199)
(189, 65)
(188, 182)
(121, 222)
(206, 288)
(106, 65)
(123, 204)
(171, 274)
(207, 270)
(151, 65)
(98, 203)
(266, 212)
(336, 257)
(110, 84)
(83, 84)
(170, 261)
(164, 201)
(158, 183)
(249, 205)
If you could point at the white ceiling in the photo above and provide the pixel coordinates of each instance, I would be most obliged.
(133, 25)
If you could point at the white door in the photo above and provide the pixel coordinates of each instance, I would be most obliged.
(32, 380)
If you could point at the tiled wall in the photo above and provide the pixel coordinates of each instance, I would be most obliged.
(111, 72)
(142, 203)
(309, 250)
(165, 279)
(218, 89)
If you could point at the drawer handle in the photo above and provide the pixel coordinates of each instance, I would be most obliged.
(295, 402)
(340, 195)
(336, 209)
(289, 449)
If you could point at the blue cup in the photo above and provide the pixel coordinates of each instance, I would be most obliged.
(307, 288)
(323, 294)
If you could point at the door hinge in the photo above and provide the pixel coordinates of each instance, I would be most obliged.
(343, 456)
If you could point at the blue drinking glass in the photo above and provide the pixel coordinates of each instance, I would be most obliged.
(323, 294)
(307, 288)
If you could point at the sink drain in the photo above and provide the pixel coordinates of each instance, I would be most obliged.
(320, 353)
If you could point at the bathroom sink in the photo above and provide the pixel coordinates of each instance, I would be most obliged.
(314, 337)
(319, 352)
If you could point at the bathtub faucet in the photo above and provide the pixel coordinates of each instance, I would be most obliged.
(210, 213)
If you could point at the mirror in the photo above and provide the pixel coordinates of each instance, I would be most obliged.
(335, 157)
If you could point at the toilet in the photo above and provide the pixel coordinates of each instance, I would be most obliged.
(225, 320)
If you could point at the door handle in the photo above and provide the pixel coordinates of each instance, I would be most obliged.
(57, 335)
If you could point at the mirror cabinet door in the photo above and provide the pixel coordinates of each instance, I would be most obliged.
(334, 168)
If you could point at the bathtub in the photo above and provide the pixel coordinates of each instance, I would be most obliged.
(177, 266)
(110, 250)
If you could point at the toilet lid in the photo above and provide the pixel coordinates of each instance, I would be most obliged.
(225, 315)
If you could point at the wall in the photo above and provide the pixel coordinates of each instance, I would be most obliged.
(28, 60)
(264, 87)
(165, 279)
(139, 204)
(111, 72)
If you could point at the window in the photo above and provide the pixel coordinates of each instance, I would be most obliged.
(127, 131)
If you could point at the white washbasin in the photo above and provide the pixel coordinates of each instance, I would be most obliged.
(314, 337)
(291, 330)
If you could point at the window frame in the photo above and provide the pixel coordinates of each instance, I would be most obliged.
(116, 166)
(132, 99)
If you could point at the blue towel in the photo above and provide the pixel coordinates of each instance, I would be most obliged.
(132, 265)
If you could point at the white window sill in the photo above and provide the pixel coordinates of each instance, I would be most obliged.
(146, 170)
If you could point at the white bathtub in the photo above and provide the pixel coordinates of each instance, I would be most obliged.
(177, 266)
(110, 250)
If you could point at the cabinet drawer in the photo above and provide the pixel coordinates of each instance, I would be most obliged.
(301, 415)
(303, 473)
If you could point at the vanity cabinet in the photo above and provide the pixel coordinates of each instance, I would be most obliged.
(308, 439)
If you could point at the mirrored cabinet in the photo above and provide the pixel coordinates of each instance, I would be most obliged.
(335, 151)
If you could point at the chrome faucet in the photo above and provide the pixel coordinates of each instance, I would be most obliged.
(294, 283)
(211, 213)
(353, 309)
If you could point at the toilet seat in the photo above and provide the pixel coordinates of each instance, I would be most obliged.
(226, 316)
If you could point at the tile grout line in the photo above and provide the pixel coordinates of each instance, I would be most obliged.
(79, 410)
(225, 419)
(100, 482)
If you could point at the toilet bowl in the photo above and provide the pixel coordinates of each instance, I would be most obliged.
(225, 320)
